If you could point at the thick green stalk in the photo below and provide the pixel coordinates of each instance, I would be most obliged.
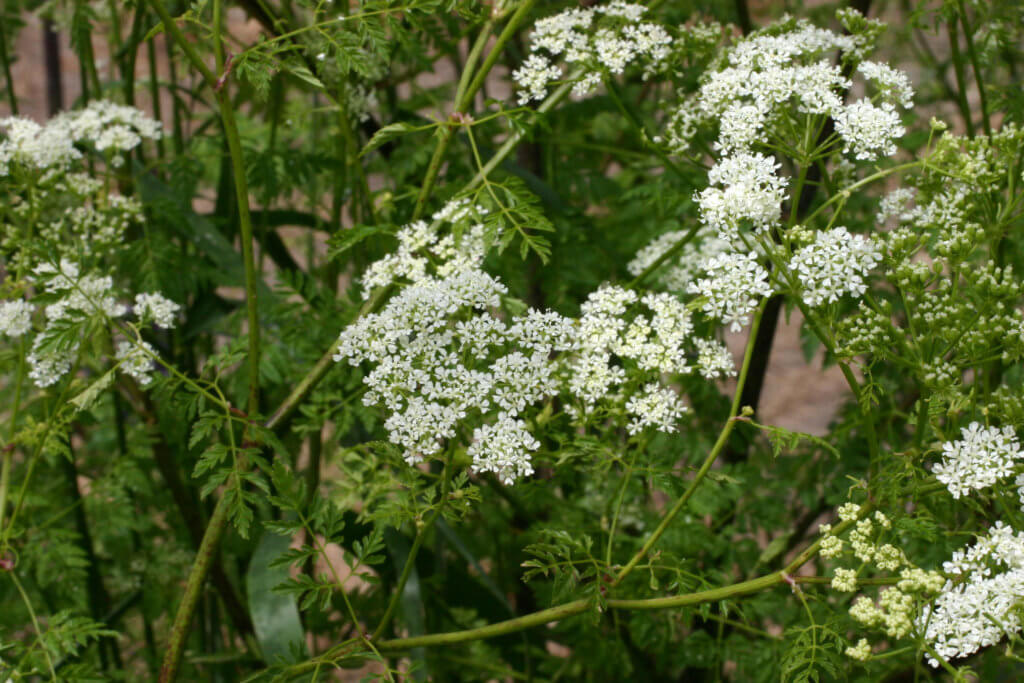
(716, 450)
(196, 578)
(961, 79)
(540, 618)
(575, 607)
(8, 447)
(972, 54)
(218, 522)
(5, 62)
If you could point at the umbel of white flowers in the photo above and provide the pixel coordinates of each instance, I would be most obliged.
(445, 360)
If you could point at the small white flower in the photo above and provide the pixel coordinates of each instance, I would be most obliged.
(503, 448)
(154, 306)
(836, 264)
(733, 287)
(15, 317)
(869, 131)
(656, 407)
(982, 457)
(134, 360)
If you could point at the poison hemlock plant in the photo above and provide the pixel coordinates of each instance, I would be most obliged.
(329, 362)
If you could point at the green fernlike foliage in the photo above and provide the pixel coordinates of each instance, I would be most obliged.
(426, 340)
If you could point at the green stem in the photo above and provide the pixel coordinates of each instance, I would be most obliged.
(410, 561)
(716, 450)
(218, 522)
(196, 579)
(8, 448)
(961, 79)
(972, 54)
(5, 63)
(618, 505)
(560, 612)
(35, 623)
(464, 96)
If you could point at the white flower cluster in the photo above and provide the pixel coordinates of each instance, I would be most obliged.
(15, 317)
(869, 131)
(982, 457)
(980, 603)
(603, 38)
(742, 188)
(770, 73)
(834, 265)
(500, 448)
(109, 127)
(157, 308)
(657, 407)
(420, 243)
(82, 296)
(444, 358)
(30, 145)
(732, 287)
(135, 360)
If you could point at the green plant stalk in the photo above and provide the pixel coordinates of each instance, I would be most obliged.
(961, 79)
(317, 372)
(8, 448)
(196, 578)
(464, 96)
(410, 560)
(208, 548)
(5, 63)
(716, 450)
(575, 607)
(35, 623)
(618, 504)
(471, 59)
(972, 54)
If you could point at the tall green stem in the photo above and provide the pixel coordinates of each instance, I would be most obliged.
(716, 450)
(961, 79)
(410, 561)
(5, 63)
(196, 579)
(972, 54)
(218, 522)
